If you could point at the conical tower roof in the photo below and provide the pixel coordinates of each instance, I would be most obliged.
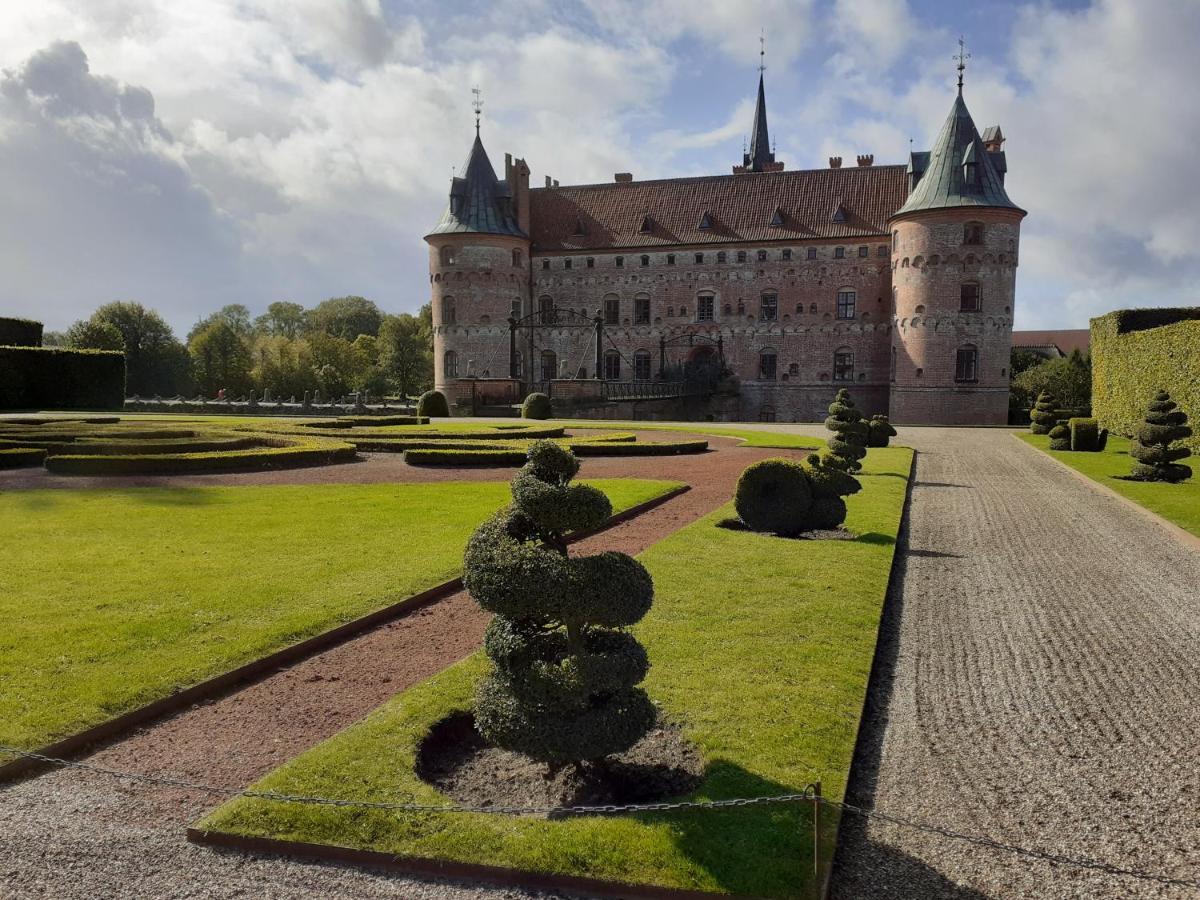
(760, 154)
(959, 172)
(479, 201)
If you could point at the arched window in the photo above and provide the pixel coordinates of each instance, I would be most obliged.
(721, 256)
(768, 364)
(793, 369)
(448, 313)
(762, 255)
(843, 364)
(768, 310)
(846, 298)
(447, 256)
(645, 260)
(813, 308)
(546, 310)
(518, 258)
(641, 309)
(612, 309)
(612, 365)
(705, 305)
(741, 307)
(966, 363)
(973, 233)
(741, 257)
(969, 297)
(450, 364)
(549, 365)
(641, 365)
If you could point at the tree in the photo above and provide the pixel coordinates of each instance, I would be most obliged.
(344, 317)
(879, 431)
(282, 366)
(849, 441)
(234, 315)
(89, 335)
(282, 319)
(220, 359)
(404, 355)
(156, 362)
(1069, 379)
(1020, 360)
(563, 687)
(1044, 414)
(337, 364)
(1164, 425)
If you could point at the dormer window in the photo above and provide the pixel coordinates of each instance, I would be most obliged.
(706, 222)
(647, 225)
(777, 218)
(579, 228)
(839, 213)
(970, 165)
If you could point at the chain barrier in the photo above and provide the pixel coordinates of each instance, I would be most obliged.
(811, 794)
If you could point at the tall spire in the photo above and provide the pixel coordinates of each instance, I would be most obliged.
(479, 201)
(761, 157)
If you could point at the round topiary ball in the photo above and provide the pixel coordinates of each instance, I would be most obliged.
(536, 406)
(433, 404)
(774, 495)
(1060, 437)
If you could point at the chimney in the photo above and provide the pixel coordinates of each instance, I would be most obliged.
(835, 162)
(516, 173)
(623, 177)
(556, 182)
(549, 181)
(993, 139)
(866, 160)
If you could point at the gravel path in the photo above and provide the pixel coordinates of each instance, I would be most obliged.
(1040, 666)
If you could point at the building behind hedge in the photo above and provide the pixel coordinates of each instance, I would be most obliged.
(896, 281)
(1138, 352)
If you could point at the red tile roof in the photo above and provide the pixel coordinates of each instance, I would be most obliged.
(741, 207)
(1065, 340)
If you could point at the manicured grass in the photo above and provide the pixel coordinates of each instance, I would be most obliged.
(115, 598)
(760, 647)
(1178, 503)
(751, 436)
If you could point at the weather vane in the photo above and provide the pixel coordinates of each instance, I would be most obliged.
(477, 105)
(762, 51)
(962, 56)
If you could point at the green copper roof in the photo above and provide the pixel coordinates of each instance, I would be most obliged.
(958, 171)
(479, 201)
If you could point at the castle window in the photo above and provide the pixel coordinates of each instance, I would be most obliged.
(612, 310)
(794, 369)
(882, 251)
(846, 298)
(741, 257)
(768, 363)
(450, 364)
(683, 310)
(641, 366)
(670, 312)
(843, 364)
(549, 365)
(545, 263)
(973, 233)
(727, 309)
(519, 365)
(966, 364)
(447, 254)
(645, 260)
(813, 309)
(812, 252)
(641, 309)
(620, 262)
(704, 308)
(515, 310)
(699, 259)
(863, 250)
(612, 365)
(448, 311)
(768, 309)
(721, 257)
(670, 259)
(518, 258)
(839, 252)
(762, 255)
(800, 308)
(591, 262)
(969, 297)
(546, 310)
(567, 263)
(896, 240)
(741, 307)
(785, 254)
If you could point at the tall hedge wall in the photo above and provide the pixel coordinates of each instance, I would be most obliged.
(1136, 352)
(20, 333)
(50, 378)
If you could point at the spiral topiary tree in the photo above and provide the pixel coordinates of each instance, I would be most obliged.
(433, 404)
(1043, 416)
(563, 687)
(848, 444)
(879, 431)
(1156, 459)
(1060, 436)
(536, 406)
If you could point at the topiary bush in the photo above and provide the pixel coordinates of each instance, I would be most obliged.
(1163, 426)
(829, 484)
(849, 441)
(1085, 435)
(433, 403)
(773, 495)
(536, 406)
(1060, 437)
(1043, 415)
(879, 431)
(563, 687)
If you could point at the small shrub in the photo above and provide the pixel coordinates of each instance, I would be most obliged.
(1085, 435)
(879, 431)
(1060, 437)
(1043, 416)
(849, 441)
(536, 406)
(1163, 426)
(433, 403)
(774, 495)
(563, 687)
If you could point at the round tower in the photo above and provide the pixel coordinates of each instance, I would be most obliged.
(954, 258)
(479, 269)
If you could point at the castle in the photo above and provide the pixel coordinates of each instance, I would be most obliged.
(894, 281)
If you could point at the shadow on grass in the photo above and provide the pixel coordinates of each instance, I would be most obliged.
(875, 537)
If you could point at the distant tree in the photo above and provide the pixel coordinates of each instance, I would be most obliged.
(1020, 360)
(54, 339)
(87, 334)
(234, 315)
(1069, 379)
(220, 359)
(344, 317)
(405, 358)
(282, 366)
(155, 361)
(282, 319)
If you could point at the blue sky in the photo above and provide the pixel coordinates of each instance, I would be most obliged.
(191, 155)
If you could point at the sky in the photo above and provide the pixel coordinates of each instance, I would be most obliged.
(190, 155)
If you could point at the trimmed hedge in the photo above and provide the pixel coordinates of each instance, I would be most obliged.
(486, 457)
(536, 406)
(13, 457)
(622, 448)
(366, 421)
(1085, 435)
(1137, 351)
(20, 333)
(283, 455)
(50, 378)
(433, 403)
(774, 495)
(1060, 437)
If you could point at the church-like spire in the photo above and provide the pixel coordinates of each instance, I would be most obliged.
(761, 156)
(479, 201)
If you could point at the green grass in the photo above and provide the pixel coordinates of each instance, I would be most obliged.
(1178, 503)
(760, 647)
(115, 598)
(751, 436)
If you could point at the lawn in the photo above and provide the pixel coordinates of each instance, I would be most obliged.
(752, 437)
(116, 598)
(1178, 503)
(761, 649)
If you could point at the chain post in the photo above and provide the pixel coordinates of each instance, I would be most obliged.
(816, 811)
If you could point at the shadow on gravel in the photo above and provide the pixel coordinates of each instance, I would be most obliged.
(884, 871)
(939, 484)
(932, 554)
